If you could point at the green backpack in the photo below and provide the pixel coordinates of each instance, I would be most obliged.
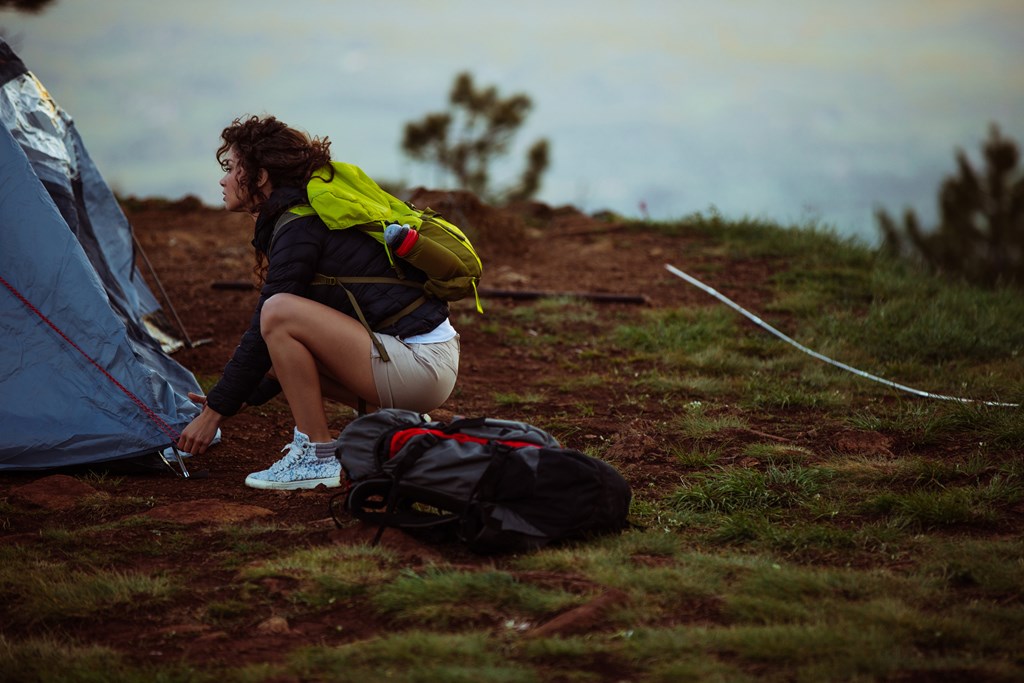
(343, 196)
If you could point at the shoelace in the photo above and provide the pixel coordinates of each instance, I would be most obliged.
(294, 453)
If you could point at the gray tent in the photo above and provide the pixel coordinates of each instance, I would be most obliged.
(82, 378)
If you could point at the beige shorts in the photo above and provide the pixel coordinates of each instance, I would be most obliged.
(418, 377)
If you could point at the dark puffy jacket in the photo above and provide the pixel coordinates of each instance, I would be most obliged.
(302, 248)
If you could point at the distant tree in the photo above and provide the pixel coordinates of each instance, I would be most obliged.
(980, 235)
(30, 6)
(476, 129)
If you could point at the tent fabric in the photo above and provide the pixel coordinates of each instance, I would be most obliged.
(81, 378)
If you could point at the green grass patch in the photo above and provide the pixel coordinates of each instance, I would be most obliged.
(931, 422)
(223, 613)
(412, 656)
(329, 573)
(730, 490)
(47, 659)
(698, 420)
(41, 590)
(243, 545)
(988, 568)
(702, 457)
(686, 385)
(555, 313)
(768, 389)
(771, 452)
(515, 398)
(929, 320)
(88, 546)
(451, 598)
(676, 338)
(933, 509)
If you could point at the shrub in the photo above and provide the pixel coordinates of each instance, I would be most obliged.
(980, 235)
(476, 129)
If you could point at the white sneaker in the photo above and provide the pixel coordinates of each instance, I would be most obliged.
(298, 469)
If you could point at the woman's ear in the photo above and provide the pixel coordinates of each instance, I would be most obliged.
(263, 182)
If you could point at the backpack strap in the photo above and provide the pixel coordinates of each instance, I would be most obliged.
(395, 488)
(330, 280)
(321, 279)
(385, 503)
(475, 524)
(303, 210)
(288, 216)
(306, 210)
(373, 337)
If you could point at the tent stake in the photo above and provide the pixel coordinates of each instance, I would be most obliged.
(177, 456)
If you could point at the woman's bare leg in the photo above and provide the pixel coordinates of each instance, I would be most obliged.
(305, 338)
(334, 391)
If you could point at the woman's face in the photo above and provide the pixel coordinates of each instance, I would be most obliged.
(236, 196)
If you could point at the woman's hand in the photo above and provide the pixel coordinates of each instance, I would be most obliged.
(199, 434)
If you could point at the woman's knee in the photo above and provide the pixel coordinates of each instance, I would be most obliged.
(276, 311)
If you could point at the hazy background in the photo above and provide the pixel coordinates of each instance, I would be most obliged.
(792, 111)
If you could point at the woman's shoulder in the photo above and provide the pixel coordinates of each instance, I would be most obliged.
(291, 228)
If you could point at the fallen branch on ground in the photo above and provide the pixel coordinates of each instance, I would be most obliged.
(607, 297)
(603, 297)
(233, 284)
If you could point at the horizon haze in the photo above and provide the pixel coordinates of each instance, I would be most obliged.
(795, 112)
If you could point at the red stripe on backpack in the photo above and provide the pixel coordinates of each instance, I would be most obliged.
(400, 438)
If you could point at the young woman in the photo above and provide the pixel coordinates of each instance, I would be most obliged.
(305, 338)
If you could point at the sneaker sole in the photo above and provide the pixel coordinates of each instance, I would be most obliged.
(330, 482)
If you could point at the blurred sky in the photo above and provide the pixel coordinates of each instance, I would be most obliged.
(792, 111)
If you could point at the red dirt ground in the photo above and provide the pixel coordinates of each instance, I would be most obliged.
(533, 247)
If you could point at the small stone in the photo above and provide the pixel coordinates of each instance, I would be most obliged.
(274, 626)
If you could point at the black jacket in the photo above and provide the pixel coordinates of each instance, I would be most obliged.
(302, 248)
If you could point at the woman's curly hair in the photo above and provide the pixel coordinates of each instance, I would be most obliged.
(289, 156)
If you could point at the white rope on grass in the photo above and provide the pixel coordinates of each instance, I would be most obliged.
(732, 304)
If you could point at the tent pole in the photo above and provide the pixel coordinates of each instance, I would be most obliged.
(163, 293)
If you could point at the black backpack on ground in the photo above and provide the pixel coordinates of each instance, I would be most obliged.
(498, 485)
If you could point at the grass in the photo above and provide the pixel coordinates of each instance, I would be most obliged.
(513, 398)
(697, 458)
(698, 420)
(948, 507)
(411, 656)
(742, 489)
(760, 549)
(326, 574)
(41, 590)
(682, 339)
(446, 598)
(43, 659)
(556, 313)
(956, 320)
(932, 422)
